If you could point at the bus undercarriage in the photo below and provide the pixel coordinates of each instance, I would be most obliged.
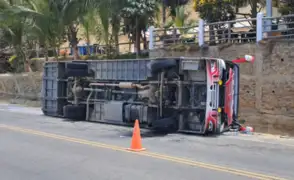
(191, 95)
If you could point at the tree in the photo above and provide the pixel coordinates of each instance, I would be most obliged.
(137, 15)
(49, 32)
(106, 19)
(87, 21)
(105, 15)
(17, 25)
(117, 10)
(214, 10)
(286, 7)
(173, 5)
(24, 24)
(69, 13)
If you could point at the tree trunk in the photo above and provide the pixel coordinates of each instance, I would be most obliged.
(46, 52)
(53, 46)
(76, 51)
(28, 61)
(88, 48)
(37, 50)
(88, 42)
(115, 32)
(23, 58)
(145, 41)
(163, 13)
(254, 11)
(138, 44)
(130, 44)
(116, 41)
(72, 37)
(57, 50)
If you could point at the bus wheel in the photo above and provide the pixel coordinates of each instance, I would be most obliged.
(74, 112)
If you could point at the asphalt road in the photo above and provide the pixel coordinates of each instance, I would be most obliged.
(33, 146)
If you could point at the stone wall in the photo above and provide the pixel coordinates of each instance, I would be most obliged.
(266, 87)
(21, 88)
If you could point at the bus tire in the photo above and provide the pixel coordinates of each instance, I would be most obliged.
(75, 112)
(158, 65)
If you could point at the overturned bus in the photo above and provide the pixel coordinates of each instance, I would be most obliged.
(191, 95)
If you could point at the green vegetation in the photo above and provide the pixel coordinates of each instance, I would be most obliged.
(27, 25)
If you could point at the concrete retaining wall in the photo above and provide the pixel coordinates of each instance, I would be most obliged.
(21, 88)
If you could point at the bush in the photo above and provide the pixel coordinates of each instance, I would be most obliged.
(16, 64)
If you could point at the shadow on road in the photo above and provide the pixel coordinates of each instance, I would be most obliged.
(127, 130)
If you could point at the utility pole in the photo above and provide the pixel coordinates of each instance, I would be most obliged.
(269, 14)
(163, 15)
(269, 6)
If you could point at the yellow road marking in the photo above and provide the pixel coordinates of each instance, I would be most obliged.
(146, 153)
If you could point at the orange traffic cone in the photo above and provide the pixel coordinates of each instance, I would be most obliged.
(136, 144)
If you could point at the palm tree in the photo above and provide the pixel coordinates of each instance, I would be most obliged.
(137, 15)
(116, 7)
(24, 23)
(49, 31)
(105, 15)
(110, 12)
(69, 13)
(88, 23)
(17, 23)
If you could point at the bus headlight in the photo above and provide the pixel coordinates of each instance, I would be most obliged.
(220, 82)
(219, 110)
